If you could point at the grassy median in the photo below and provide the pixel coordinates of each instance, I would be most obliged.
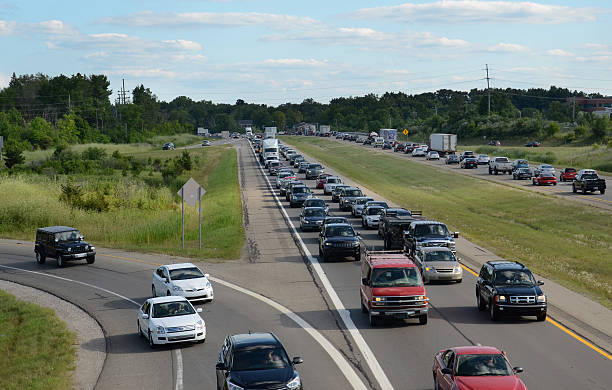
(142, 211)
(564, 241)
(36, 347)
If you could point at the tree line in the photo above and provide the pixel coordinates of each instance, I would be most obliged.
(40, 112)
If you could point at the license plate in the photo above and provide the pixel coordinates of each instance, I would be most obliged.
(80, 255)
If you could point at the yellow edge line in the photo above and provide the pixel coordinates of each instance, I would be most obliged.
(597, 199)
(563, 328)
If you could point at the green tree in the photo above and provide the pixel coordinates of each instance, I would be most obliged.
(13, 154)
(600, 127)
(67, 128)
(552, 128)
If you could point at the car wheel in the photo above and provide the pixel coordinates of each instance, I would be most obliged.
(602, 191)
(40, 258)
(541, 317)
(60, 262)
(91, 259)
(139, 330)
(574, 190)
(363, 223)
(494, 314)
(386, 244)
(423, 319)
(151, 342)
(372, 319)
(364, 309)
(436, 384)
(153, 292)
(479, 302)
(583, 190)
(490, 171)
(459, 280)
(358, 256)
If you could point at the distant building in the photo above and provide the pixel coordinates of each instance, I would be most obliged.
(606, 112)
(591, 104)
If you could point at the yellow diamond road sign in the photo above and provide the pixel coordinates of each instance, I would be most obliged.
(405, 132)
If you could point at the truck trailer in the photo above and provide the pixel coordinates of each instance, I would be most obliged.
(389, 135)
(443, 143)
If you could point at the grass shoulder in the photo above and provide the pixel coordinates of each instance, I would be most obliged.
(36, 347)
(569, 244)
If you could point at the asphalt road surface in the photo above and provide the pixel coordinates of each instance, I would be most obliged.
(405, 349)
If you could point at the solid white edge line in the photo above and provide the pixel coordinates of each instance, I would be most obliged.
(343, 365)
(345, 315)
(179, 358)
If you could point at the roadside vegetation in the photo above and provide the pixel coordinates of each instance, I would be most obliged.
(566, 242)
(128, 200)
(36, 347)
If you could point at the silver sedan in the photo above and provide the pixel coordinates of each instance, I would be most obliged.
(438, 263)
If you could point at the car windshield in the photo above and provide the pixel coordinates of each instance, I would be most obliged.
(546, 167)
(570, 170)
(315, 203)
(501, 160)
(185, 273)
(431, 230)
(314, 212)
(396, 277)
(374, 210)
(172, 309)
(590, 176)
(270, 150)
(482, 156)
(483, 365)
(363, 201)
(403, 213)
(336, 220)
(332, 180)
(301, 190)
(440, 256)
(274, 163)
(514, 278)
(524, 170)
(72, 235)
(381, 204)
(259, 358)
(315, 166)
(353, 193)
(342, 231)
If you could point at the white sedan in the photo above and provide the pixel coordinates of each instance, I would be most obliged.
(184, 279)
(418, 152)
(167, 320)
(330, 184)
(432, 155)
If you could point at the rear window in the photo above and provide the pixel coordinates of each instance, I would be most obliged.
(315, 166)
(502, 160)
(315, 203)
(353, 193)
(332, 180)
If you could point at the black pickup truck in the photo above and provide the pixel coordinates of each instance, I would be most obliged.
(392, 225)
(587, 181)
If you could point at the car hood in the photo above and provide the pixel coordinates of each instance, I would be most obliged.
(398, 291)
(171, 322)
(341, 239)
(510, 382)
(434, 239)
(191, 283)
(73, 244)
(301, 195)
(262, 379)
(441, 264)
(314, 218)
(518, 290)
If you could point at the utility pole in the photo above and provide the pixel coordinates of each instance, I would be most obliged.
(574, 110)
(69, 104)
(488, 91)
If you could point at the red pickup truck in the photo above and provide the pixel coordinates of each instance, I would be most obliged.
(391, 286)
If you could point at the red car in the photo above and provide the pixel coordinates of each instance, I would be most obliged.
(322, 179)
(544, 178)
(567, 174)
(475, 368)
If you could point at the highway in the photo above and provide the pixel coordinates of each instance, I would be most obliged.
(551, 358)
(561, 190)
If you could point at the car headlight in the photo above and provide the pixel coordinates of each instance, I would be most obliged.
(294, 383)
(457, 269)
(327, 244)
(199, 324)
(500, 298)
(378, 299)
(69, 249)
(91, 248)
(305, 221)
(161, 330)
(355, 243)
(542, 298)
(231, 386)
(177, 288)
(427, 269)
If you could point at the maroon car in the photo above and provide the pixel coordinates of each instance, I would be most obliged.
(567, 174)
(544, 179)
(322, 179)
(475, 368)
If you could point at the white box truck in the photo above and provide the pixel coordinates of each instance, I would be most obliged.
(270, 148)
(270, 132)
(325, 130)
(389, 135)
(443, 143)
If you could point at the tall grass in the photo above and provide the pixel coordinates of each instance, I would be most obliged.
(36, 348)
(568, 243)
(141, 217)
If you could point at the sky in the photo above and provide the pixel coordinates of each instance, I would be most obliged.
(273, 52)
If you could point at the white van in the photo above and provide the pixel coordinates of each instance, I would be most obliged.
(379, 142)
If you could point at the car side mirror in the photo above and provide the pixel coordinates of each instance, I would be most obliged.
(456, 235)
(167, 280)
(220, 366)
(56, 240)
(320, 234)
(447, 371)
(517, 370)
(145, 316)
(199, 310)
(540, 282)
(297, 360)
(365, 281)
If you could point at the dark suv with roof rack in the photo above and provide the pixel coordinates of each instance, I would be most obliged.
(256, 361)
(508, 287)
(62, 243)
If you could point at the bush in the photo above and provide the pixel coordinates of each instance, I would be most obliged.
(93, 153)
(604, 166)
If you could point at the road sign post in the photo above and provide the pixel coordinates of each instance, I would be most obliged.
(191, 192)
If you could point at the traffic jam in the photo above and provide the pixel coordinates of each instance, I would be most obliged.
(399, 252)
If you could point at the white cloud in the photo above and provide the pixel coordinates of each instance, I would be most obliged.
(142, 72)
(296, 62)
(474, 11)
(559, 53)
(4, 80)
(509, 48)
(7, 27)
(210, 19)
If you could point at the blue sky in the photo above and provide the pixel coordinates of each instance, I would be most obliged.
(272, 52)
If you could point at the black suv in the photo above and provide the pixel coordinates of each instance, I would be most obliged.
(339, 239)
(256, 361)
(509, 287)
(62, 243)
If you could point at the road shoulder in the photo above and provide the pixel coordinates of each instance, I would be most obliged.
(91, 352)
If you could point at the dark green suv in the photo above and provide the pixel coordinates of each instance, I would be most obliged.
(64, 244)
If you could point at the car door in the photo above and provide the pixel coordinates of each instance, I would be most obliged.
(158, 281)
(51, 246)
(446, 380)
(419, 256)
(366, 288)
(144, 323)
(224, 358)
(487, 285)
